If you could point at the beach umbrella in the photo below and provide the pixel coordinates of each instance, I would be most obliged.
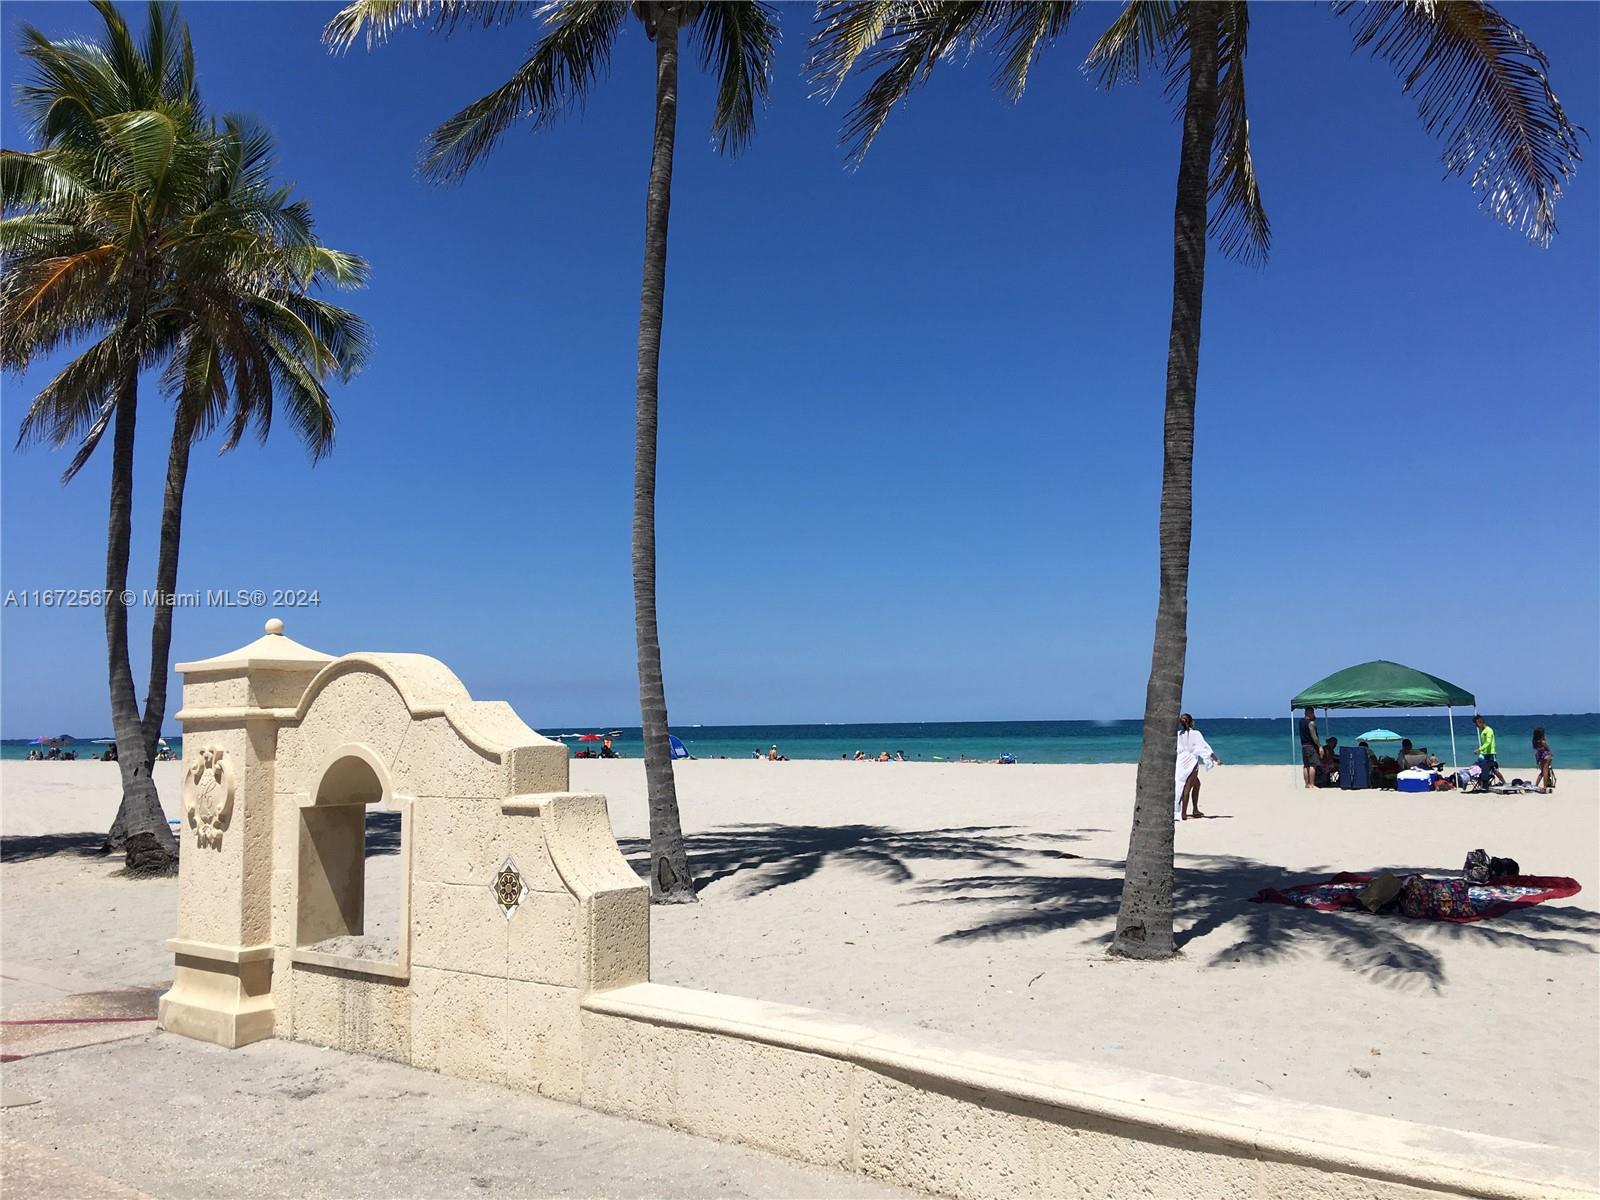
(679, 750)
(1379, 735)
(589, 737)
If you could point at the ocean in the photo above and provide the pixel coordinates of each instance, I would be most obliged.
(1575, 739)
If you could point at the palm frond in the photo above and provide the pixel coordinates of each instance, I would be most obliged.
(911, 38)
(41, 179)
(1026, 27)
(566, 62)
(737, 43)
(850, 28)
(380, 18)
(70, 404)
(1139, 37)
(1483, 87)
(1238, 221)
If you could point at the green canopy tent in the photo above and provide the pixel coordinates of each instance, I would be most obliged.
(1384, 684)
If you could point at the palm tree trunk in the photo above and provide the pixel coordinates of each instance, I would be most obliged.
(1144, 920)
(670, 881)
(141, 829)
(155, 698)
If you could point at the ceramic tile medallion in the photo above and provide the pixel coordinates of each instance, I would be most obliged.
(509, 890)
(208, 795)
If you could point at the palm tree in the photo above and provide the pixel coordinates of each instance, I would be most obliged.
(127, 230)
(1481, 85)
(736, 42)
(251, 330)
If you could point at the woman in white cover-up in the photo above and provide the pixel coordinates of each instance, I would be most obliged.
(1193, 753)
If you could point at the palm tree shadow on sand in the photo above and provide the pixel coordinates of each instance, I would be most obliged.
(1026, 885)
(772, 856)
(1212, 893)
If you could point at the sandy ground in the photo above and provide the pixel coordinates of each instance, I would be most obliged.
(976, 901)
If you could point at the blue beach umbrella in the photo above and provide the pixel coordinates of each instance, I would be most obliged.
(1379, 735)
(679, 750)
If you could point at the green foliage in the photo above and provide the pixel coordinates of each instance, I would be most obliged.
(736, 38)
(1481, 85)
(157, 238)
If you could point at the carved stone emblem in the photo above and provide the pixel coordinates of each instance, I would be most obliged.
(509, 890)
(208, 795)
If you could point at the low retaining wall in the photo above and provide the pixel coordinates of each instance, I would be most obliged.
(945, 1120)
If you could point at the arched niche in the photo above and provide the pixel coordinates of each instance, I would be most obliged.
(331, 871)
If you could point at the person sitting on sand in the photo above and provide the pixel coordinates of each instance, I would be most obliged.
(774, 756)
(1328, 765)
(1193, 752)
(883, 756)
(861, 756)
(1543, 760)
(1410, 757)
(606, 750)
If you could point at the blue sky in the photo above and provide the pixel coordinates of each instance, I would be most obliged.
(911, 415)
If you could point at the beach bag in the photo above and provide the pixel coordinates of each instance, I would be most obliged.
(1476, 868)
(1380, 893)
(1500, 868)
(1436, 899)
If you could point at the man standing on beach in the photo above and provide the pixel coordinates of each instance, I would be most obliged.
(1310, 747)
(1486, 754)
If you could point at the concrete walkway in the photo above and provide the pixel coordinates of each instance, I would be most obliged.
(152, 1114)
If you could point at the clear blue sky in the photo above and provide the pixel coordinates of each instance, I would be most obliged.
(911, 415)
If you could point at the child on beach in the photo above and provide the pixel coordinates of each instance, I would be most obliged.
(1543, 759)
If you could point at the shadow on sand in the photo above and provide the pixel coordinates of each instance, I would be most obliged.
(1025, 885)
(776, 855)
(383, 837)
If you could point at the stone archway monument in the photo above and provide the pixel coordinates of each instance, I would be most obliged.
(513, 899)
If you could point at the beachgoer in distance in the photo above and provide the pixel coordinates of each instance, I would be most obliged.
(759, 755)
(605, 749)
(1310, 746)
(1543, 759)
(1193, 753)
(1328, 765)
(1409, 756)
(1489, 768)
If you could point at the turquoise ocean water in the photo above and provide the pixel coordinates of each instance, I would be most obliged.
(1243, 741)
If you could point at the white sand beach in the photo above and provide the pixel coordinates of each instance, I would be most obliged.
(973, 902)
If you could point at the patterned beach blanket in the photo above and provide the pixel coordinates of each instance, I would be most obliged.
(1486, 899)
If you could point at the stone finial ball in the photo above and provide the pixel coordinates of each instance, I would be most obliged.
(274, 626)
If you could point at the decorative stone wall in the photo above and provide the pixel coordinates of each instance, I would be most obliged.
(516, 900)
(523, 960)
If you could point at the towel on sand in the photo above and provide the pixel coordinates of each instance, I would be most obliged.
(1342, 891)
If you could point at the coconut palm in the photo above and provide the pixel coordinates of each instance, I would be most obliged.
(1481, 86)
(144, 230)
(251, 331)
(736, 41)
